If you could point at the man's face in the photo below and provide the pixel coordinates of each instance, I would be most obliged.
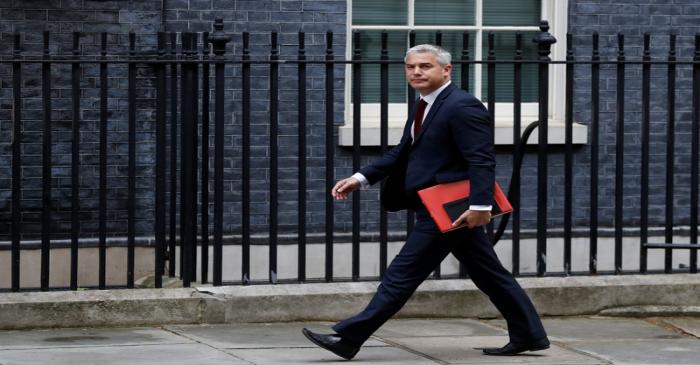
(424, 73)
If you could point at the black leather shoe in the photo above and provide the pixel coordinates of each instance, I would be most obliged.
(515, 348)
(333, 343)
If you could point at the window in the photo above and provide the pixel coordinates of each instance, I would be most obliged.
(452, 18)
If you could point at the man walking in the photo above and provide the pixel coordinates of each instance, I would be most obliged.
(448, 139)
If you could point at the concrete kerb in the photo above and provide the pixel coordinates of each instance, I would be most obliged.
(107, 308)
(553, 296)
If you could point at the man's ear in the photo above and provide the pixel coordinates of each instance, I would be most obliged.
(448, 68)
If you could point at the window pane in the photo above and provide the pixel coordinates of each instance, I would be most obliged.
(505, 50)
(512, 12)
(371, 45)
(452, 42)
(444, 12)
(385, 12)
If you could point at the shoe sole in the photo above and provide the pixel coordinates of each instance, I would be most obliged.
(538, 348)
(307, 334)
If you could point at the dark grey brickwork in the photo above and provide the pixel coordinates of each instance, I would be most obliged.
(314, 17)
(62, 18)
(145, 18)
(660, 18)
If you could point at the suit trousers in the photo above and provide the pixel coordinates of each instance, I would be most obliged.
(424, 250)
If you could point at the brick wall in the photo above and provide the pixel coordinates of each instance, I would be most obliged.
(259, 18)
(61, 18)
(633, 19)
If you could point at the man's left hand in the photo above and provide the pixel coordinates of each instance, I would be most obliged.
(473, 218)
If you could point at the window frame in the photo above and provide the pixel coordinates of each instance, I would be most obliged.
(555, 11)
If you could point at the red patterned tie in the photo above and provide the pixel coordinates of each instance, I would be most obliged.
(418, 121)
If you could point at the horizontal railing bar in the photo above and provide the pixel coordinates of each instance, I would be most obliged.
(670, 246)
(348, 280)
(491, 28)
(363, 61)
(291, 238)
(453, 276)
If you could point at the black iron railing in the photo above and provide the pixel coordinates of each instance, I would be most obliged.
(182, 93)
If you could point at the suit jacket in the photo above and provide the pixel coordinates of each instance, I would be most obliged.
(455, 143)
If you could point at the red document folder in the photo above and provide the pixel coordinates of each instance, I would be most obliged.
(446, 202)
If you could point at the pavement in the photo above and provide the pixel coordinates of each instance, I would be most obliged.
(578, 340)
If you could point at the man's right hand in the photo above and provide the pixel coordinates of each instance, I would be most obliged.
(344, 187)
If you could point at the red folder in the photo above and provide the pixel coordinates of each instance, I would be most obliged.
(446, 202)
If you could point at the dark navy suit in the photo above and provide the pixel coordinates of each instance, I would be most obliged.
(455, 143)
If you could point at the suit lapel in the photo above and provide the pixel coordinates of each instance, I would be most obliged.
(434, 109)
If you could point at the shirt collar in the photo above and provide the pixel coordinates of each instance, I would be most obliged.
(430, 98)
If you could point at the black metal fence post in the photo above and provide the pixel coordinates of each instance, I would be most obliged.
(694, 159)
(172, 224)
(194, 55)
(595, 114)
(544, 42)
(384, 141)
(568, 153)
(274, 170)
(131, 203)
(619, 151)
(160, 164)
(670, 150)
(46, 165)
(356, 145)
(437, 273)
(189, 154)
(218, 40)
(103, 164)
(464, 69)
(517, 136)
(464, 82)
(330, 173)
(184, 90)
(204, 205)
(75, 162)
(245, 163)
(644, 180)
(410, 215)
(301, 120)
(16, 161)
(491, 79)
(491, 99)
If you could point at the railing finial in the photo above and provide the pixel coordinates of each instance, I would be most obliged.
(218, 38)
(544, 40)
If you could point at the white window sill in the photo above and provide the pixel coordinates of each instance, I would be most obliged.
(370, 135)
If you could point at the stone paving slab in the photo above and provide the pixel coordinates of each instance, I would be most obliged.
(467, 350)
(85, 337)
(688, 325)
(315, 355)
(594, 328)
(256, 335)
(649, 352)
(576, 341)
(191, 354)
(623, 341)
(436, 328)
